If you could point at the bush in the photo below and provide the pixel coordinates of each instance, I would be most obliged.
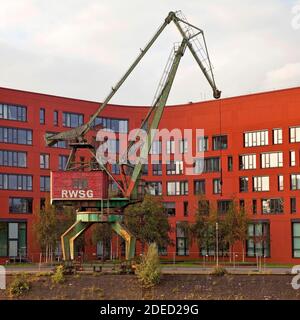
(219, 271)
(19, 286)
(58, 277)
(149, 271)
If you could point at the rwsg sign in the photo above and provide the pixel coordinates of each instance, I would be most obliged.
(78, 185)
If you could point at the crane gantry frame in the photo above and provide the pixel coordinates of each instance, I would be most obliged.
(77, 140)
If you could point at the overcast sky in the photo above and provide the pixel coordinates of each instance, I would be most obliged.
(81, 48)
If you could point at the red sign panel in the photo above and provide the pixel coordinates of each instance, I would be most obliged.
(79, 185)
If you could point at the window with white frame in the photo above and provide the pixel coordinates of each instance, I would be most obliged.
(202, 144)
(272, 206)
(280, 183)
(256, 138)
(217, 187)
(294, 134)
(272, 160)
(154, 188)
(174, 167)
(44, 160)
(183, 146)
(156, 147)
(247, 162)
(292, 158)
(170, 147)
(261, 184)
(295, 181)
(277, 136)
(176, 188)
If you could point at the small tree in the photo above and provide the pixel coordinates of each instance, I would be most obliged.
(148, 221)
(46, 229)
(102, 232)
(52, 222)
(236, 225)
(204, 228)
(149, 270)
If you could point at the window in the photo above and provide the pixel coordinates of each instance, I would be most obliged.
(199, 186)
(277, 136)
(115, 168)
(292, 158)
(254, 206)
(13, 158)
(203, 207)
(174, 167)
(15, 135)
(224, 206)
(42, 116)
(170, 208)
(247, 162)
(261, 183)
(62, 162)
(13, 237)
(182, 244)
(244, 184)
(170, 147)
(157, 169)
(176, 188)
(280, 183)
(229, 163)
(209, 248)
(256, 138)
(112, 146)
(13, 112)
(72, 120)
(162, 250)
(202, 144)
(219, 142)
(154, 188)
(44, 161)
(20, 205)
(296, 239)
(144, 170)
(55, 118)
(44, 184)
(42, 203)
(15, 182)
(183, 146)
(295, 181)
(207, 165)
(294, 134)
(258, 243)
(185, 208)
(116, 125)
(293, 205)
(217, 186)
(272, 206)
(272, 160)
(242, 204)
(156, 147)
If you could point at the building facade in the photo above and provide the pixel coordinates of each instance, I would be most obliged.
(251, 143)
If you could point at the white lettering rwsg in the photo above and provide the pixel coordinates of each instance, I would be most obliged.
(77, 194)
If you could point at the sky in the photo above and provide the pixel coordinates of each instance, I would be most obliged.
(81, 48)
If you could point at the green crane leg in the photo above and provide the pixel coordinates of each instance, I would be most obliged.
(130, 240)
(68, 238)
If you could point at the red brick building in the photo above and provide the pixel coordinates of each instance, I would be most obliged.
(253, 141)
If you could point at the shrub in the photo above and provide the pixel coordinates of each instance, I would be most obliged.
(149, 271)
(219, 271)
(19, 286)
(58, 277)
